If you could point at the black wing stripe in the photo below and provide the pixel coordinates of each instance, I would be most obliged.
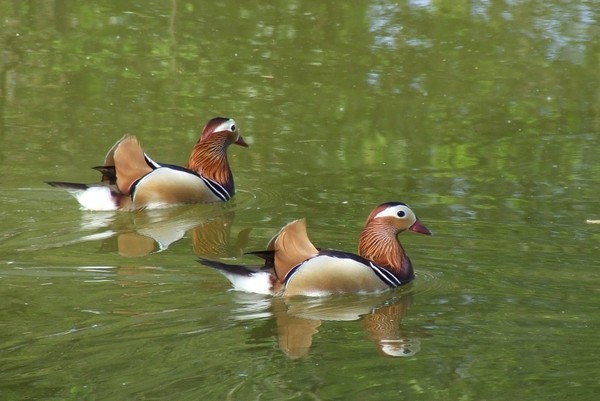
(216, 189)
(385, 275)
(151, 162)
(292, 271)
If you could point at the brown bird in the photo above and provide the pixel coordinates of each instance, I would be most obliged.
(132, 180)
(293, 266)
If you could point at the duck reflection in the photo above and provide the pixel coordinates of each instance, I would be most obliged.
(148, 231)
(298, 319)
(213, 238)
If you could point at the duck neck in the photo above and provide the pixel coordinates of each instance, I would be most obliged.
(209, 159)
(379, 243)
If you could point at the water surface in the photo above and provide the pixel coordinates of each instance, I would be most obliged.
(483, 116)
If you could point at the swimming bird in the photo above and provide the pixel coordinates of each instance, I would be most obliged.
(131, 180)
(294, 266)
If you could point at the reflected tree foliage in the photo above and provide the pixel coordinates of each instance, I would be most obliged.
(459, 90)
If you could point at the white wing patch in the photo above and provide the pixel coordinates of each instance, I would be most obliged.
(95, 198)
(259, 282)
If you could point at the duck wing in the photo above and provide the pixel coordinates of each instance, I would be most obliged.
(130, 162)
(291, 246)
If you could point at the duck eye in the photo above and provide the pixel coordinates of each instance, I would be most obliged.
(401, 213)
(232, 127)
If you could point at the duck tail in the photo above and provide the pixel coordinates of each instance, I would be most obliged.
(242, 277)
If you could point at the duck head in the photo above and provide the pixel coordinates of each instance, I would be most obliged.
(209, 156)
(223, 130)
(378, 240)
(397, 216)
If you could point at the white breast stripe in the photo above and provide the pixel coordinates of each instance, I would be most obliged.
(216, 189)
(386, 276)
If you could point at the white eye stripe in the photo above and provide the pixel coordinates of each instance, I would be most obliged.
(228, 125)
(398, 211)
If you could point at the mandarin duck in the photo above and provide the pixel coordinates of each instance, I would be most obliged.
(131, 180)
(294, 266)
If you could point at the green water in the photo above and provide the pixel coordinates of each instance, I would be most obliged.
(484, 116)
